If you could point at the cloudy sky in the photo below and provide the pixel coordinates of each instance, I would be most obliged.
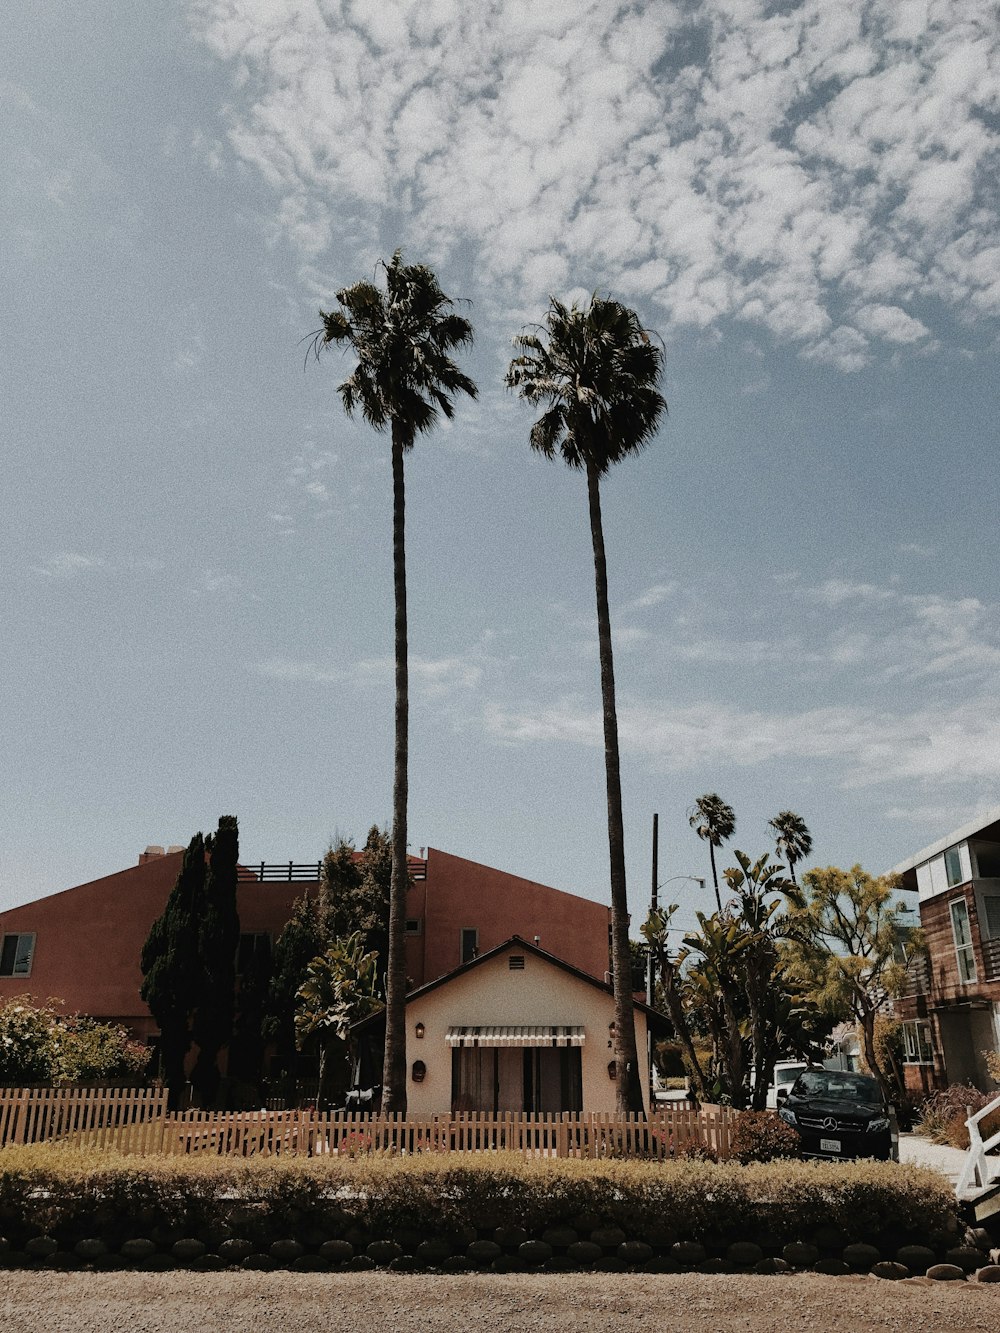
(195, 577)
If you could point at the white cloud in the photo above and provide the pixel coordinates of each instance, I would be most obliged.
(815, 158)
(68, 565)
(859, 746)
(431, 679)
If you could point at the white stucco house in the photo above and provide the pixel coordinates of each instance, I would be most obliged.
(518, 1030)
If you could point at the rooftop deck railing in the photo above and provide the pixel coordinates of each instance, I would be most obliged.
(302, 872)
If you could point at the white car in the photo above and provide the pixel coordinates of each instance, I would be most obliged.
(785, 1074)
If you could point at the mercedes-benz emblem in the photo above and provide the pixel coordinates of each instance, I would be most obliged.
(829, 1123)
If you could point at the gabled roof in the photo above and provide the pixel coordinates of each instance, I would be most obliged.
(516, 942)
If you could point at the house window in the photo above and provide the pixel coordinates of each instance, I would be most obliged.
(962, 932)
(16, 955)
(953, 867)
(917, 1043)
(414, 925)
(469, 943)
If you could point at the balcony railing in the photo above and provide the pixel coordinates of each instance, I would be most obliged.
(991, 959)
(918, 977)
(304, 872)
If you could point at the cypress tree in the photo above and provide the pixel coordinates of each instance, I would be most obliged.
(170, 967)
(217, 940)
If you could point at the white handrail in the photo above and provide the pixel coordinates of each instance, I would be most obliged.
(975, 1174)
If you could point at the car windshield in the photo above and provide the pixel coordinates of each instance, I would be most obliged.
(841, 1087)
(788, 1075)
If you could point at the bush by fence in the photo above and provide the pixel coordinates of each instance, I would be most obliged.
(97, 1206)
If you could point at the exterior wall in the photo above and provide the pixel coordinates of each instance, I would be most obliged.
(961, 1014)
(461, 894)
(89, 939)
(492, 994)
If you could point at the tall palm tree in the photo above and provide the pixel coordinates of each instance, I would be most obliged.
(715, 822)
(792, 838)
(596, 376)
(402, 339)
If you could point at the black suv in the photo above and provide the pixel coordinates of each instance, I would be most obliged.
(840, 1115)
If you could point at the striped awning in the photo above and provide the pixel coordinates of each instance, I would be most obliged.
(515, 1036)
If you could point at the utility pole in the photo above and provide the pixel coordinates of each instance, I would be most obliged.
(649, 956)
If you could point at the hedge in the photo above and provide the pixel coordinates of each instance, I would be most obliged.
(65, 1207)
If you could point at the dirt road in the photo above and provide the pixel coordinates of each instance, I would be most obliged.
(564, 1303)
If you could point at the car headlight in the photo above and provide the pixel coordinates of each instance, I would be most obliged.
(787, 1115)
(878, 1125)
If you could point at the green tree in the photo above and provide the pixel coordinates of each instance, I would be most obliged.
(404, 377)
(715, 823)
(851, 947)
(217, 939)
(596, 377)
(171, 968)
(358, 888)
(308, 932)
(672, 991)
(340, 988)
(792, 838)
(756, 906)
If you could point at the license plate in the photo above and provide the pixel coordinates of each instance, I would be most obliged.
(829, 1145)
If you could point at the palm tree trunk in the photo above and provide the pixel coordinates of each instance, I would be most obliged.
(715, 874)
(394, 1066)
(629, 1084)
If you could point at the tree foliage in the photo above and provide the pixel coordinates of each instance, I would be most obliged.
(850, 948)
(217, 940)
(715, 823)
(340, 988)
(728, 982)
(793, 841)
(595, 373)
(188, 961)
(170, 966)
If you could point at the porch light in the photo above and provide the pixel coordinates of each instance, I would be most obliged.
(420, 1030)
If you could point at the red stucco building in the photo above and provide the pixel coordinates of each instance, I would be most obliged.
(82, 945)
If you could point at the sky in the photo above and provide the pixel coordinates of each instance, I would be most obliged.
(800, 199)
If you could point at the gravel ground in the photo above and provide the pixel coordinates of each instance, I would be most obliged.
(41, 1302)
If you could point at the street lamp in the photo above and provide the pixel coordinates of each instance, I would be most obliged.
(694, 879)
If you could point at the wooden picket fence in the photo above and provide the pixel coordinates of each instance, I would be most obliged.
(36, 1115)
(137, 1122)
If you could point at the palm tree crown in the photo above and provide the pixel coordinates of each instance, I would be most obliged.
(402, 339)
(792, 837)
(596, 377)
(715, 822)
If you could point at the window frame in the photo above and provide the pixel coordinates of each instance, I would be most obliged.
(918, 1042)
(953, 866)
(463, 932)
(964, 950)
(19, 935)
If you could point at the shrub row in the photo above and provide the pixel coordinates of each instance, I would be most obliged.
(62, 1208)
